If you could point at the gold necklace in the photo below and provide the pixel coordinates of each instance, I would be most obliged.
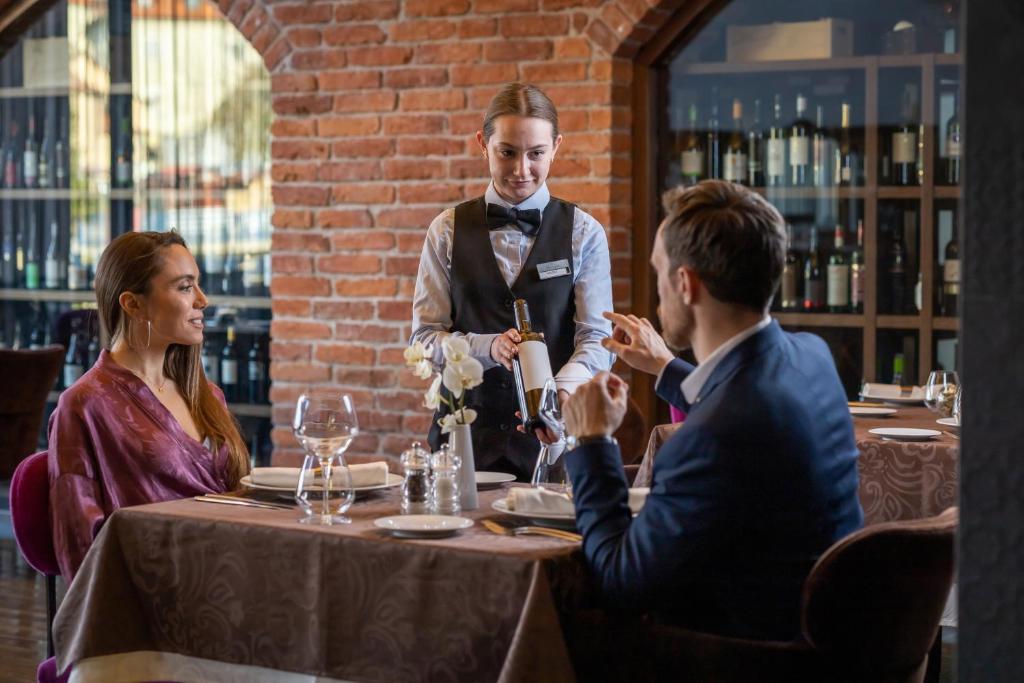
(159, 388)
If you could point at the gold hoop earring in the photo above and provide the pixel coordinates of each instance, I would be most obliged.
(149, 332)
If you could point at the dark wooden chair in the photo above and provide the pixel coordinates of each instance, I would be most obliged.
(870, 614)
(28, 377)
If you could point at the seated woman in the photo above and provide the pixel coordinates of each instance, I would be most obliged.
(144, 424)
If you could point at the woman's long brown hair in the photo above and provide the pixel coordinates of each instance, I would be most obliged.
(129, 264)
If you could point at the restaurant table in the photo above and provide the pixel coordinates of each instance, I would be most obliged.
(186, 590)
(898, 479)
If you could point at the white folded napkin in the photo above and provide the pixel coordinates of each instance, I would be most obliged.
(883, 391)
(367, 474)
(546, 501)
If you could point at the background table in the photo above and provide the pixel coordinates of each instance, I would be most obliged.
(898, 479)
(242, 588)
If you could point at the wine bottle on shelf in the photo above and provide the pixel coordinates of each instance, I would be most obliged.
(211, 365)
(814, 286)
(714, 140)
(692, 155)
(229, 367)
(897, 273)
(60, 156)
(78, 278)
(19, 253)
(897, 369)
(952, 160)
(231, 275)
(951, 274)
(800, 146)
(845, 169)
(37, 335)
(73, 366)
(735, 158)
(838, 276)
(821, 150)
(7, 265)
(123, 156)
(45, 151)
(51, 267)
(904, 141)
(11, 157)
(531, 367)
(791, 275)
(31, 248)
(755, 149)
(257, 372)
(857, 272)
(775, 148)
(30, 155)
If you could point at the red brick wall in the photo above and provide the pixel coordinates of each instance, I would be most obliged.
(376, 104)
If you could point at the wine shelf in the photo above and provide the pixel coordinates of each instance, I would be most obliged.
(14, 93)
(830, 64)
(88, 296)
(899, 322)
(819, 319)
(946, 324)
(238, 409)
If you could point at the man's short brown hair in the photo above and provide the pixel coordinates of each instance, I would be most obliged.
(731, 236)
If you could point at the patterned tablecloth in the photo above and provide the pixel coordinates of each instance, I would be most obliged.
(898, 480)
(195, 591)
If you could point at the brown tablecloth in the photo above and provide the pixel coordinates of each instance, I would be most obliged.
(898, 480)
(252, 586)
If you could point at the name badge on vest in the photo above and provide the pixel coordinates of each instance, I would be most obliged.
(551, 269)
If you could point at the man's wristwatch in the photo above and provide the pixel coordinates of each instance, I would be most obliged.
(576, 441)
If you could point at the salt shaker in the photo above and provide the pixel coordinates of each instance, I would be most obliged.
(416, 487)
(444, 483)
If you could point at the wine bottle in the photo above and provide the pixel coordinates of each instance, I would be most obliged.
(838, 276)
(60, 157)
(92, 351)
(897, 369)
(31, 248)
(775, 148)
(951, 274)
(952, 161)
(800, 145)
(256, 372)
(73, 368)
(714, 143)
(790, 275)
(78, 278)
(531, 367)
(821, 153)
(845, 171)
(904, 141)
(11, 160)
(211, 366)
(755, 149)
(30, 155)
(122, 156)
(692, 156)
(51, 268)
(735, 164)
(857, 272)
(7, 267)
(897, 273)
(45, 151)
(37, 336)
(229, 367)
(814, 287)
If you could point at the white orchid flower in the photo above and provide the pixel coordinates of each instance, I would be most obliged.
(467, 416)
(456, 349)
(432, 399)
(417, 356)
(463, 416)
(460, 376)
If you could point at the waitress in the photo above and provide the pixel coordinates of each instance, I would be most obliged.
(545, 250)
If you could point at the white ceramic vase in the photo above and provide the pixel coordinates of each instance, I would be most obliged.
(461, 441)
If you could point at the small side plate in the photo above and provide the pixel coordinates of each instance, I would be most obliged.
(422, 526)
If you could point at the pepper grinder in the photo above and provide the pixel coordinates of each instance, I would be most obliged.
(416, 487)
(444, 482)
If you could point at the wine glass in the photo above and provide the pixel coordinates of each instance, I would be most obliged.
(324, 424)
(940, 390)
(549, 472)
(957, 409)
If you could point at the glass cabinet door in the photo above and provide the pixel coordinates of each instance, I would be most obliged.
(120, 116)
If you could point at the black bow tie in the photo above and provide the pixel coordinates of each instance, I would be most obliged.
(527, 220)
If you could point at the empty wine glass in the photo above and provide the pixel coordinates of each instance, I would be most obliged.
(324, 424)
(957, 408)
(940, 391)
(549, 472)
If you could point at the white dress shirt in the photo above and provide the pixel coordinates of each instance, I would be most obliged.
(592, 287)
(695, 381)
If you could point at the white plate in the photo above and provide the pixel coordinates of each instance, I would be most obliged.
(492, 479)
(949, 422)
(905, 433)
(864, 411)
(543, 518)
(393, 480)
(891, 394)
(422, 526)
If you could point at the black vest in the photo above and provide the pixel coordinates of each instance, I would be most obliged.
(483, 303)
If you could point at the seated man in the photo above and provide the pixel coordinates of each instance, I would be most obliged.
(762, 476)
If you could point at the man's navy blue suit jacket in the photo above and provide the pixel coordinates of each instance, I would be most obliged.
(757, 483)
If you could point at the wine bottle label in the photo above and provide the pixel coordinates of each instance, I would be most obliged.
(904, 148)
(533, 358)
(813, 293)
(775, 150)
(838, 285)
(736, 167)
(211, 369)
(789, 294)
(31, 276)
(72, 371)
(76, 277)
(799, 147)
(856, 285)
(255, 371)
(123, 173)
(953, 148)
(951, 272)
(229, 372)
(693, 162)
(51, 276)
(31, 161)
(846, 173)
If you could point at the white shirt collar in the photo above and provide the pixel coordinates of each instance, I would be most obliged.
(695, 381)
(538, 200)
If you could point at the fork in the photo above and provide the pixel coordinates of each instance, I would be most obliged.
(494, 527)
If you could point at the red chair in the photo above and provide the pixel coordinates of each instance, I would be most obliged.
(30, 517)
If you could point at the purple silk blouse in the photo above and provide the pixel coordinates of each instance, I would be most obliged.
(113, 444)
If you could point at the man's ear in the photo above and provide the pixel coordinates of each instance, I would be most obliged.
(689, 285)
